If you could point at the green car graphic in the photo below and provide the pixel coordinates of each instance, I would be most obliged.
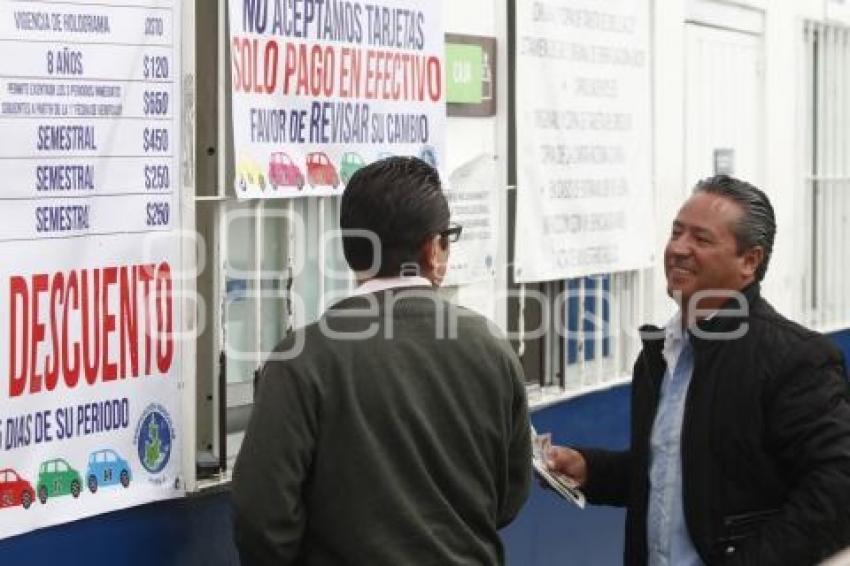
(55, 478)
(351, 162)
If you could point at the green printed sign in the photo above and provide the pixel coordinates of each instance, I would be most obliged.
(463, 69)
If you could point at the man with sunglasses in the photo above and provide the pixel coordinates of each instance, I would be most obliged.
(399, 434)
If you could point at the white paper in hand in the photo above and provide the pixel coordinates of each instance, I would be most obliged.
(562, 485)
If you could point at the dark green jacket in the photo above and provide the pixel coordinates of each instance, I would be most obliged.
(396, 433)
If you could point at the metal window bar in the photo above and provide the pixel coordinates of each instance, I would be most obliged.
(600, 342)
(838, 189)
(819, 171)
(828, 187)
(289, 262)
(575, 348)
(841, 210)
(562, 341)
(549, 338)
(809, 94)
(259, 249)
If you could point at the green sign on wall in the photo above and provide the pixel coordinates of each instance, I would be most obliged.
(463, 71)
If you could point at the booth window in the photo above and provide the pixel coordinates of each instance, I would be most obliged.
(827, 178)
(259, 263)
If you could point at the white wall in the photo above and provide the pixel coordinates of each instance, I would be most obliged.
(782, 153)
(467, 138)
(668, 95)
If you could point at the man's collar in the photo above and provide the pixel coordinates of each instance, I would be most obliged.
(653, 337)
(384, 283)
(734, 311)
(673, 328)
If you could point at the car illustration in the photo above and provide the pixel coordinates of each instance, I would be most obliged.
(56, 478)
(349, 165)
(283, 172)
(106, 468)
(15, 490)
(429, 155)
(248, 173)
(320, 170)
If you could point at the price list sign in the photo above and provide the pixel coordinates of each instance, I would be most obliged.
(87, 107)
(89, 256)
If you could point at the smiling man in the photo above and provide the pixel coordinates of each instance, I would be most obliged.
(740, 426)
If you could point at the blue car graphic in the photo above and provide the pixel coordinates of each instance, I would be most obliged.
(105, 468)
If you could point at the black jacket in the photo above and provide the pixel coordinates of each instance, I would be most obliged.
(765, 443)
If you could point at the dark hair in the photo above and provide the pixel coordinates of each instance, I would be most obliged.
(757, 226)
(400, 200)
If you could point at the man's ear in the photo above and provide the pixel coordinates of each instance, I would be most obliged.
(753, 258)
(430, 258)
(429, 255)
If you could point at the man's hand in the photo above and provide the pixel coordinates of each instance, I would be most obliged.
(568, 462)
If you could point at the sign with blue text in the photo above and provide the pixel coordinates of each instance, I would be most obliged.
(320, 89)
(89, 258)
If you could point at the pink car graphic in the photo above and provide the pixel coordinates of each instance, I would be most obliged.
(283, 172)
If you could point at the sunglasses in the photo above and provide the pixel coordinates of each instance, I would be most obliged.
(452, 233)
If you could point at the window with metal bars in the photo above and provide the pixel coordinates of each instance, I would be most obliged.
(584, 331)
(826, 84)
(602, 314)
(264, 267)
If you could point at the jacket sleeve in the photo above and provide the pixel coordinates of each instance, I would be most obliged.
(609, 471)
(608, 474)
(271, 468)
(518, 481)
(808, 428)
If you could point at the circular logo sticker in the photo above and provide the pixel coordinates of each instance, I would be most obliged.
(154, 433)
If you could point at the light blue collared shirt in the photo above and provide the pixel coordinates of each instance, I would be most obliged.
(669, 541)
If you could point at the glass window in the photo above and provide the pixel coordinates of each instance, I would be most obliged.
(239, 321)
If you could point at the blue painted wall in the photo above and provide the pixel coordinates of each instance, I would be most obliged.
(191, 531)
(552, 532)
(843, 340)
(197, 530)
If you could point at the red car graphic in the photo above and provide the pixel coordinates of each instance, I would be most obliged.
(320, 170)
(14, 490)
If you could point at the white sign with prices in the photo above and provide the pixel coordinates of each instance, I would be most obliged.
(89, 258)
(584, 201)
(320, 89)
